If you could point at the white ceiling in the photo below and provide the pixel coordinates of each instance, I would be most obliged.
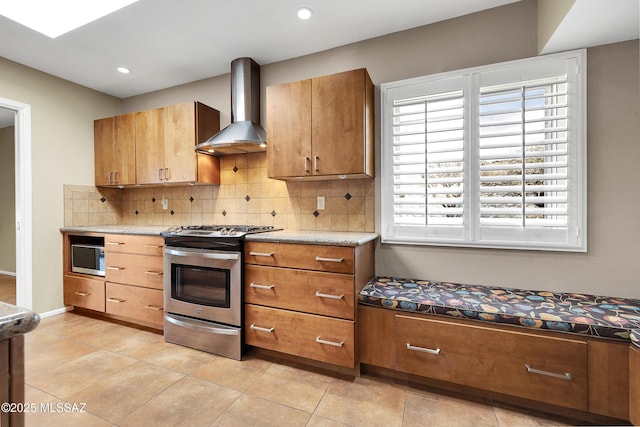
(167, 42)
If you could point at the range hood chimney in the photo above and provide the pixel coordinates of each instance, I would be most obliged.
(244, 134)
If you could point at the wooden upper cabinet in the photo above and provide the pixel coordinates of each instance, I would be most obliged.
(321, 128)
(289, 129)
(114, 150)
(165, 144)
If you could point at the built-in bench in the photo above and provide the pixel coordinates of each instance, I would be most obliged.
(570, 353)
(584, 314)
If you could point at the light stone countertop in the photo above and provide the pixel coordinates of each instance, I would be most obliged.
(153, 230)
(16, 320)
(334, 238)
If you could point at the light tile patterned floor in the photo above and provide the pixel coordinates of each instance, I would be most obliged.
(129, 377)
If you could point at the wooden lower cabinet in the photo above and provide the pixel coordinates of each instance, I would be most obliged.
(634, 386)
(133, 269)
(81, 291)
(550, 370)
(135, 302)
(582, 377)
(315, 337)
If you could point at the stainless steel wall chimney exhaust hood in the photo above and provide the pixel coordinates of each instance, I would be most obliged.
(244, 134)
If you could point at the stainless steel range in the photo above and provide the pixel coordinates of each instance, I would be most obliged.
(203, 286)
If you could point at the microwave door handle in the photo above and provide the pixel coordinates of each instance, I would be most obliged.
(208, 255)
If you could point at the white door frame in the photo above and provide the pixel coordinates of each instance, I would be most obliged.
(24, 217)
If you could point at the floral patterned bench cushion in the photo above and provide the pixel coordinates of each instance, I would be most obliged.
(575, 313)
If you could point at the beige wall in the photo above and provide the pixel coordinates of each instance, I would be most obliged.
(7, 200)
(62, 115)
(496, 35)
(550, 16)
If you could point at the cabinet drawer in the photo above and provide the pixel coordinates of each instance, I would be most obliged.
(546, 369)
(315, 292)
(139, 270)
(306, 335)
(84, 292)
(144, 245)
(335, 259)
(135, 303)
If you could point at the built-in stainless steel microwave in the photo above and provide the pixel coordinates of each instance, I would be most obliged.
(87, 259)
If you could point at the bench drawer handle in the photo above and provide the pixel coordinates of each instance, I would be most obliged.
(266, 254)
(258, 328)
(257, 286)
(566, 376)
(323, 259)
(422, 349)
(318, 294)
(333, 343)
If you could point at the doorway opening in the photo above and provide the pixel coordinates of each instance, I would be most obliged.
(23, 203)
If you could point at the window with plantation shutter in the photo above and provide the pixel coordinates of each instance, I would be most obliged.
(493, 156)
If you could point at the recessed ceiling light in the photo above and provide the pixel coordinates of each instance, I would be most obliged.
(54, 18)
(123, 70)
(304, 13)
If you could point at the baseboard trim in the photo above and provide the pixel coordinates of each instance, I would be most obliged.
(55, 312)
(8, 273)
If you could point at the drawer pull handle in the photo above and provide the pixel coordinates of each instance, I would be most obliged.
(154, 273)
(258, 328)
(257, 286)
(109, 267)
(566, 376)
(116, 300)
(333, 343)
(319, 258)
(115, 243)
(153, 307)
(267, 254)
(82, 294)
(154, 246)
(422, 349)
(318, 294)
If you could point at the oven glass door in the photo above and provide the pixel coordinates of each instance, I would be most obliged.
(201, 285)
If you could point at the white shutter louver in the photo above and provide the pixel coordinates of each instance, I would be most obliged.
(428, 160)
(523, 154)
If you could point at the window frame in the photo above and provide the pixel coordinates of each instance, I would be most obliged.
(572, 238)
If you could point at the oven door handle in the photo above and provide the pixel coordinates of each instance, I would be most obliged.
(208, 255)
(218, 331)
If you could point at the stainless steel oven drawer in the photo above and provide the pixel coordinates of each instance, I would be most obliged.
(211, 337)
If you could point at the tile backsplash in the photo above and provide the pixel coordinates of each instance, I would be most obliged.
(245, 196)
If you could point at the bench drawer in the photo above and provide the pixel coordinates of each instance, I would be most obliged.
(335, 259)
(315, 292)
(545, 369)
(315, 337)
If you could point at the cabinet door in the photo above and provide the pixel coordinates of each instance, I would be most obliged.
(124, 148)
(338, 128)
(149, 147)
(179, 143)
(634, 386)
(103, 139)
(289, 130)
